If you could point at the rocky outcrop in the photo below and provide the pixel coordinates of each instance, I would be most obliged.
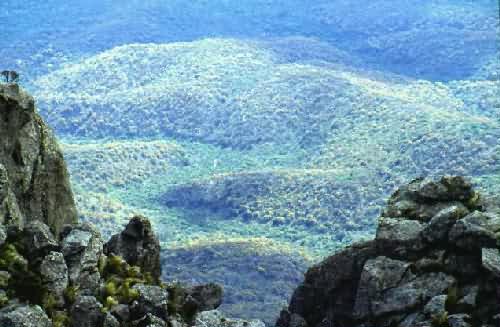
(435, 262)
(71, 281)
(55, 272)
(24, 316)
(34, 181)
(215, 318)
(138, 245)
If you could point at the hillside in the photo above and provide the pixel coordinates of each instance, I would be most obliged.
(436, 39)
(293, 140)
(58, 272)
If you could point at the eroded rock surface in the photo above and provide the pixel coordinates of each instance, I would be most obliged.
(34, 182)
(435, 262)
(138, 245)
(55, 272)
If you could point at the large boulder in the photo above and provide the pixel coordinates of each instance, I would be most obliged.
(37, 240)
(24, 316)
(53, 271)
(87, 312)
(82, 247)
(138, 245)
(152, 299)
(434, 238)
(215, 318)
(34, 183)
(206, 297)
(54, 275)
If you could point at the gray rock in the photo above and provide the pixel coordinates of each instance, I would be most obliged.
(149, 320)
(397, 281)
(476, 230)
(152, 299)
(412, 320)
(297, 321)
(339, 275)
(121, 312)
(215, 318)
(38, 185)
(491, 261)
(448, 188)
(54, 273)
(24, 316)
(138, 245)
(469, 300)
(399, 236)
(87, 312)
(3, 235)
(428, 189)
(466, 265)
(207, 297)
(378, 276)
(412, 294)
(174, 322)
(110, 321)
(436, 306)
(38, 238)
(432, 261)
(439, 226)
(424, 324)
(459, 320)
(424, 198)
(76, 241)
(410, 209)
(284, 318)
(82, 247)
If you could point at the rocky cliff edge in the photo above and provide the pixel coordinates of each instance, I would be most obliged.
(56, 272)
(34, 183)
(435, 262)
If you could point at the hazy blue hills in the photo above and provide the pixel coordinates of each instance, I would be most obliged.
(239, 139)
(439, 40)
(258, 131)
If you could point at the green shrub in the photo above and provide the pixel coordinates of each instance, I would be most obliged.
(440, 320)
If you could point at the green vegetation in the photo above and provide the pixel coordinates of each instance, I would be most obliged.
(440, 320)
(452, 299)
(244, 145)
(120, 278)
(25, 284)
(70, 294)
(61, 319)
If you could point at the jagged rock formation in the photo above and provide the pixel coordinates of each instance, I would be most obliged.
(215, 318)
(55, 272)
(435, 262)
(34, 181)
(72, 282)
(138, 245)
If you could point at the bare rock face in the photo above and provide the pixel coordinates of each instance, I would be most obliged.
(82, 247)
(435, 262)
(34, 182)
(138, 245)
(56, 272)
(215, 318)
(24, 316)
